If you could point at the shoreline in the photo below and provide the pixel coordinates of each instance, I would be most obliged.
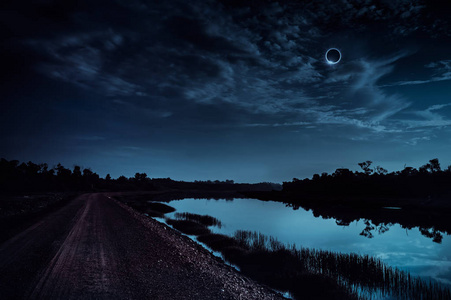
(225, 244)
(238, 284)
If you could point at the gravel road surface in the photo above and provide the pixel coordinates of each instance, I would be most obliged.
(98, 248)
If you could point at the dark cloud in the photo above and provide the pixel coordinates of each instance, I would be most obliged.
(124, 73)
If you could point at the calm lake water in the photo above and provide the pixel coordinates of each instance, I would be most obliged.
(398, 247)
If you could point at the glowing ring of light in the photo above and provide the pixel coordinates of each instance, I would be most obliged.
(332, 62)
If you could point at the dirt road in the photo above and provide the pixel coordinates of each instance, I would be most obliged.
(97, 248)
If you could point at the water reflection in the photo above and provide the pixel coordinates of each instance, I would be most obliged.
(432, 233)
(401, 247)
(377, 220)
(370, 229)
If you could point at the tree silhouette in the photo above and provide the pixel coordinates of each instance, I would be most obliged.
(140, 177)
(122, 179)
(381, 171)
(434, 165)
(366, 167)
(62, 172)
(76, 172)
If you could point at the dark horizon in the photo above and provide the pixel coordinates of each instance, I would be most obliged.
(27, 171)
(220, 90)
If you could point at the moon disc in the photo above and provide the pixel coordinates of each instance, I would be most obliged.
(333, 56)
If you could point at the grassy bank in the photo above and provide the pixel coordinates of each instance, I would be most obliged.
(204, 219)
(318, 274)
(311, 273)
(306, 273)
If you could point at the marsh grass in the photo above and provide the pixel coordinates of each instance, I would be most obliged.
(218, 242)
(193, 224)
(152, 209)
(268, 261)
(309, 273)
(188, 227)
(202, 219)
(361, 276)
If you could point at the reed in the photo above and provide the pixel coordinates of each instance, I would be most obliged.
(268, 261)
(188, 227)
(309, 273)
(202, 219)
(362, 276)
(217, 242)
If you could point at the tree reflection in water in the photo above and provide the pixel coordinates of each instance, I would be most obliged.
(374, 223)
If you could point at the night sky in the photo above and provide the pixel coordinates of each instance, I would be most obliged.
(225, 89)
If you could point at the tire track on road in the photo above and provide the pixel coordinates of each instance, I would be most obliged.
(81, 267)
(98, 248)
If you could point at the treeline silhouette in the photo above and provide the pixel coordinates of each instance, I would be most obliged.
(22, 177)
(31, 177)
(429, 181)
(410, 197)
